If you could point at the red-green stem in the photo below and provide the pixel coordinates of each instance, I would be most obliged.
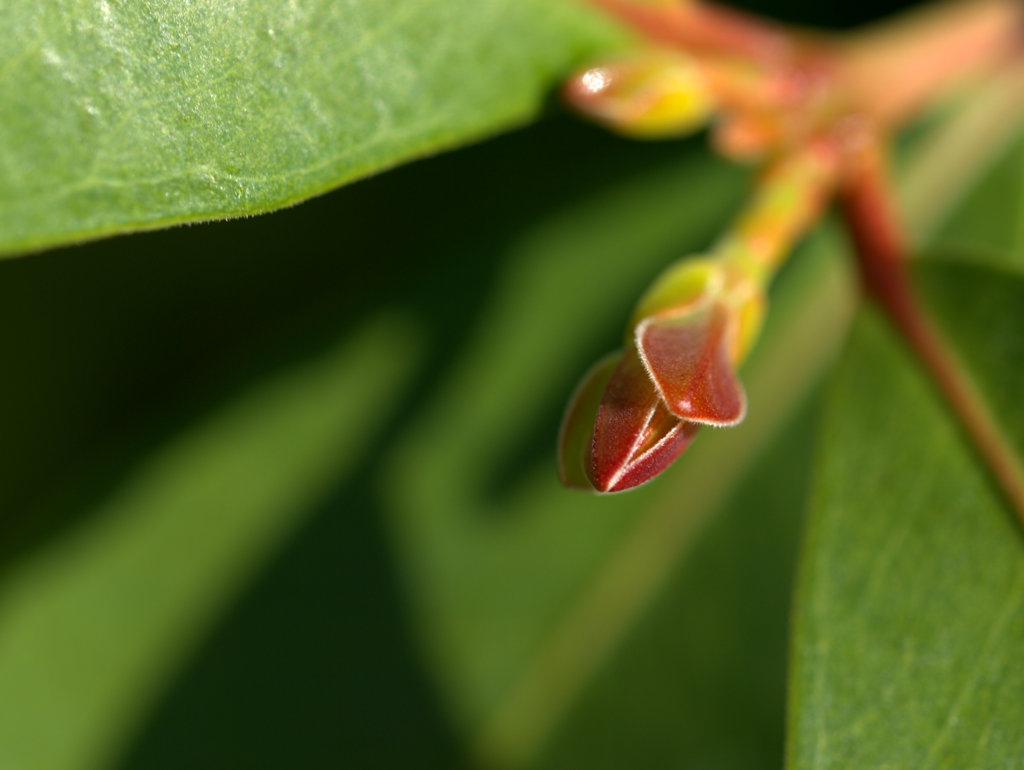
(881, 249)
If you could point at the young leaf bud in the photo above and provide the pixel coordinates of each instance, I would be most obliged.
(647, 95)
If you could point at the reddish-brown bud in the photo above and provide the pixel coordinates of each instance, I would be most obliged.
(635, 435)
(634, 414)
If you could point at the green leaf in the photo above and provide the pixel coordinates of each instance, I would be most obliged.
(912, 596)
(91, 625)
(119, 116)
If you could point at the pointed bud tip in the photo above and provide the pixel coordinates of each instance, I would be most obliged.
(635, 436)
(645, 466)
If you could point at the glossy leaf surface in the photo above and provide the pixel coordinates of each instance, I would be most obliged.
(119, 116)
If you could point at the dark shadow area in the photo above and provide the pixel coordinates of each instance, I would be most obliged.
(826, 15)
(520, 454)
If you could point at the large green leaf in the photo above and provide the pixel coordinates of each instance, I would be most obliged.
(113, 604)
(912, 599)
(117, 115)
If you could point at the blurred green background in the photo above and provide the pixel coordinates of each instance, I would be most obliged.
(280, 492)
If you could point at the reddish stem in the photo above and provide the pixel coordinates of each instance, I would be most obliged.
(702, 27)
(874, 227)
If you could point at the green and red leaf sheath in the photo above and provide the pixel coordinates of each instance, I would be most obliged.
(635, 435)
(687, 358)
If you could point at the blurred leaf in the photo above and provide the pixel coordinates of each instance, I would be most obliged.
(118, 116)
(989, 225)
(90, 626)
(969, 192)
(986, 336)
